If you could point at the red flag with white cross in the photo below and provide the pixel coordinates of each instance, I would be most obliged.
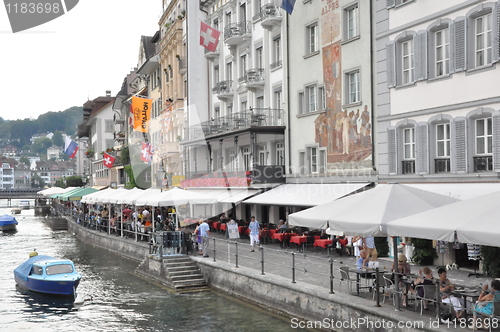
(209, 37)
(108, 160)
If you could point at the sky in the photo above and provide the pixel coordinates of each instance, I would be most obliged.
(73, 58)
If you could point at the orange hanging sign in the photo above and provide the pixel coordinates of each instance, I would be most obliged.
(141, 109)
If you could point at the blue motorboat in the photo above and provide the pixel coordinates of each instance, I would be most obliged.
(45, 274)
(7, 223)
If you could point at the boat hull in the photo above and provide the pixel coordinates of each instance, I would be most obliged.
(55, 287)
(11, 227)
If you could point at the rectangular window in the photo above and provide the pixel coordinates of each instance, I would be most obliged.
(109, 126)
(258, 58)
(302, 108)
(216, 75)
(407, 61)
(312, 38)
(229, 71)
(483, 48)
(246, 158)
(442, 52)
(322, 98)
(277, 99)
(312, 98)
(277, 49)
(280, 153)
(262, 155)
(313, 159)
(353, 87)
(484, 136)
(409, 143)
(260, 102)
(352, 20)
(443, 140)
(243, 65)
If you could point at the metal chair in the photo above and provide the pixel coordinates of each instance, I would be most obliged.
(389, 289)
(344, 276)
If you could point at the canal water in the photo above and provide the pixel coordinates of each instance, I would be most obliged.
(116, 299)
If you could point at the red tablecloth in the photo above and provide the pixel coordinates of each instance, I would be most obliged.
(263, 233)
(281, 236)
(242, 229)
(298, 239)
(223, 227)
(217, 224)
(272, 232)
(322, 243)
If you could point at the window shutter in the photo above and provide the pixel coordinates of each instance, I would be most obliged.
(459, 146)
(421, 56)
(391, 3)
(459, 44)
(392, 158)
(322, 161)
(496, 34)
(496, 141)
(391, 64)
(422, 162)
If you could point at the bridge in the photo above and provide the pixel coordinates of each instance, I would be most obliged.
(30, 193)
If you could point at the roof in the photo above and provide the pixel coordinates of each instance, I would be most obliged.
(23, 270)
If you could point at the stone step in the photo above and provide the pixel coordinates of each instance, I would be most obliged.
(190, 282)
(192, 289)
(183, 273)
(177, 264)
(187, 277)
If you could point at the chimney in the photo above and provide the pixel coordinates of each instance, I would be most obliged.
(108, 93)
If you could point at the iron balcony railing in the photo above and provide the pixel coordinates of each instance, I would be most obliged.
(257, 117)
(238, 29)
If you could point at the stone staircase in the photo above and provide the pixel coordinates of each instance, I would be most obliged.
(184, 274)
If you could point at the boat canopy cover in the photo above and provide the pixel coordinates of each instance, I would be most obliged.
(7, 220)
(23, 270)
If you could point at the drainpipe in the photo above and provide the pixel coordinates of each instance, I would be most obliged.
(288, 97)
(373, 90)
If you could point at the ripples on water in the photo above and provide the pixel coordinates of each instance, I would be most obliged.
(115, 298)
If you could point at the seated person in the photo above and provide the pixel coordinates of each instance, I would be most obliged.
(403, 265)
(362, 261)
(282, 227)
(487, 309)
(446, 288)
(424, 278)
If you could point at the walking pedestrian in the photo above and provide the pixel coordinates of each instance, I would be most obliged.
(204, 230)
(254, 232)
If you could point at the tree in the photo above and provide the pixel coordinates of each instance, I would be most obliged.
(74, 181)
(37, 181)
(25, 160)
(57, 139)
(41, 145)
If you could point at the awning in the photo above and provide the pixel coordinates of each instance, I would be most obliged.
(100, 187)
(76, 194)
(302, 194)
(65, 190)
(461, 191)
(227, 195)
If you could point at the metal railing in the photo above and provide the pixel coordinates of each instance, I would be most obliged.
(263, 117)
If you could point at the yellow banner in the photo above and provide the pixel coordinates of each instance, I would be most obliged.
(141, 108)
(176, 180)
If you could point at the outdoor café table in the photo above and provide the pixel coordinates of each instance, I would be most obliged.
(217, 225)
(242, 230)
(264, 235)
(365, 273)
(323, 243)
(223, 227)
(299, 240)
(282, 237)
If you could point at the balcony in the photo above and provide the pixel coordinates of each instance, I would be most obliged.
(408, 167)
(235, 33)
(270, 16)
(253, 78)
(224, 89)
(252, 118)
(212, 55)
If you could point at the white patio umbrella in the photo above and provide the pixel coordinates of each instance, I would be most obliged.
(50, 191)
(132, 198)
(116, 199)
(368, 213)
(176, 197)
(92, 198)
(474, 220)
(108, 195)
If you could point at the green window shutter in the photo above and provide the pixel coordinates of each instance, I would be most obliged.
(496, 33)
(420, 56)
(422, 153)
(459, 44)
(459, 145)
(496, 141)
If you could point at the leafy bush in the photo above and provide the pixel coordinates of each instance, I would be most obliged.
(423, 252)
(490, 260)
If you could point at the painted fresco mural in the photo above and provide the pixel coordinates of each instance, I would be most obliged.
(346, 134)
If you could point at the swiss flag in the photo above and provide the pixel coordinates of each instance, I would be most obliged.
(209, 37)
(146, 152)
(108, 160)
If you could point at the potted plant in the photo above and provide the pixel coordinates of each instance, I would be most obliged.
(89, 153)
(423, 252)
